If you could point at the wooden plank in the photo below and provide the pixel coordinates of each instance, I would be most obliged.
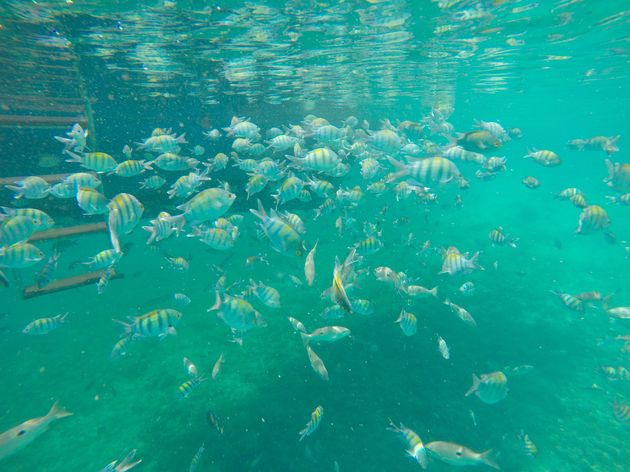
(68, 231)
(34, 121)
(67, 283)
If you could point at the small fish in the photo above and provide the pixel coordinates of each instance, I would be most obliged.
(217, 366)
(408, 323)
(467, 289)
(191, 369)
(416, 448)
(104, 279)
(419, 291)
(213, 420)
(126, 464)
(181, 298)
(309, 266)
(338, 292)
(298, 327)
(45, 325)
(443, 347)
(47, 273)
(178, 263)
(267, 295)
(528, 445)
(316, 363)
(187, 387)
(490, 388)
(327, 334)
(120, 348)
(519, 370)
(462, 313)
(194, 464)
(311, 426)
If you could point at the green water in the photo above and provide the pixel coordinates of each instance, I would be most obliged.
(181, 65)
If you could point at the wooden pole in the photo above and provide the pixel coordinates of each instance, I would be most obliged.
(68, 231)
(66, 284)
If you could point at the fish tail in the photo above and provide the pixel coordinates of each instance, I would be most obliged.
(610, 168)
(474, 262)
(19, 191)
(57, 412)
(401, 169)
(305, 338)
(260, 213)
(182, 139)
(217, 300)
(153, 231)
(484, 456)
(73, 157)
(127, 326)
(434, 290)
(475, 385)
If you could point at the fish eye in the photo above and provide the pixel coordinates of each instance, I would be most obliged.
(21, 432)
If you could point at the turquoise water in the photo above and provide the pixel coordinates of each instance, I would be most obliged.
(557, 71)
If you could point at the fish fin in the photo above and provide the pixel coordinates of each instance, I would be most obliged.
(434, 291)
(113, 234)
(260, 213)
(19, 191)
(217, 301)
(484, 456)
(401, 169)
(127, 326)
(57, 412)
(475, 385)
(305, 338)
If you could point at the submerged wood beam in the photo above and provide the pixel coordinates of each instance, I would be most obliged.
(68, 231)
(66, 284)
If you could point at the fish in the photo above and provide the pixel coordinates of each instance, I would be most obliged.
(190, 368)
(45, 325)
(443, 348)
(416, 448)
(157, 323)
(311, 426)
(186, 388)
(338, 293)
(129, 462)
(419, 291)
(408, 323)
(592, 217)
(47, 273)
(297, 325)
(22, 435)
(467, 288)
(181, 299)
(267, 295)
(327, 334)
(20, 256)
(490, 388)
(309, 265)
(316, 363)
(528, 445)
(217, 366)
(17, 229)
(544, 157)
(125, 212)
(455, 454)
(30, 188)
(213, 420)
(194, 463)
(455, 263)
(461, 313)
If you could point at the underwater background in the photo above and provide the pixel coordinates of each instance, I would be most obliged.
(555, 70)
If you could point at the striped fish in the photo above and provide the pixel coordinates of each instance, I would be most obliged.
(161, 228)
(267, 295)
(45, 325)
(289, 190)
(153, 183)
(155, 324)
(47, 273)
(337, 291)
(17, 229)
(187, 184)
(369, 245)
(490, 388)
(385, 140)
(497, 236)
(544, 157)
(623, 199)
(407, 322)
(31, 188)
(96, 161)
(104, 279)
(579, 200)
(592, 217)
(318, 160)
(131, 168)
(125, 212)
(317, 364)
(362, 307)
(528, 445)
(187, 387)
(216, 238)
(20, 256)
(105, 258)
(237, 313)
(570, 301)
(461, 313)
(44, 221)
(207, 205)
(256, 183)
(120, 348)
(178, 263)
(82, 179)
(194, 464)
(455, 263)
(415, 446)
(91, 201)
(172, 162)
(567, 193)
(311, 426)
(282, 236)
(321, 188)
(163, 142)
(430, 171)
